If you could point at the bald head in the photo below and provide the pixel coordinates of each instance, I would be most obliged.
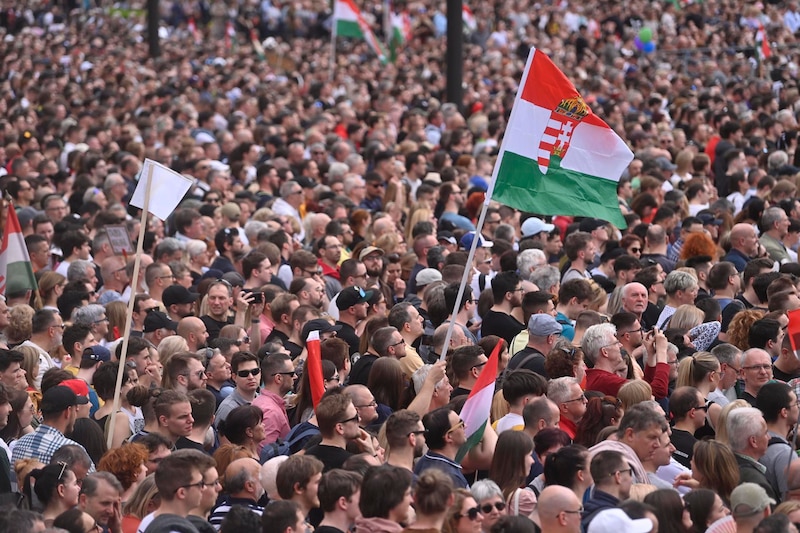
(189, 325)
(553, 501)
(242, 478)
(743, 238)
(382, 226)
(269, 474)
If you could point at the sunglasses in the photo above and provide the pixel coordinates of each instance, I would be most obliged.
(245, 340)
(353, 419)
(472, 514)
(251, 372)
(487, 508)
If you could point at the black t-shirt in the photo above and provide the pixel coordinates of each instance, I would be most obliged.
(279, 336)
(780, 375)
(348, 335)
(328, 529)
(359, 374)
(534, 363)
(185, 444)
(503, 325)
(213, 326)
(650, 315)
(684, 444)
(331, 456)
(460, 391)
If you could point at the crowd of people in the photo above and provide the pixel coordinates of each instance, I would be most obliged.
(647, 377)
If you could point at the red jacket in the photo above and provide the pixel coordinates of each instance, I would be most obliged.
(609, 383)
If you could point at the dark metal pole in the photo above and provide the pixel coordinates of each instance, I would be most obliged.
(152, 28)
(455, 53)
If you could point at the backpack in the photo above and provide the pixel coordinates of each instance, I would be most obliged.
(283, 447)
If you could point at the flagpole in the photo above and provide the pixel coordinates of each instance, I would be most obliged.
(387, 22)
(481, 218)
(129, 318)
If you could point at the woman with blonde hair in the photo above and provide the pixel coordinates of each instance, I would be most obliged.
(418, 214)
(170, 346)
(633, 392)
(714, 467)
(30, 364)
(51, 286)
(683, 172)
(391, 243)
(722, 421)
(690, 318)
(464, 514)
(739, 328)
(143, 501)
(702, 371)
(20, 320)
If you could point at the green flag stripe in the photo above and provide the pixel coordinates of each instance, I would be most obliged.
(522, 185)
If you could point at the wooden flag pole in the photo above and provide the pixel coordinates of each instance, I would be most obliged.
(129, 318)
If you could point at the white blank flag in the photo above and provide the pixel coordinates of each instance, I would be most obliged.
(166, 192)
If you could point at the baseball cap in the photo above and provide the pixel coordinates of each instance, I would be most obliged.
(318, 324)
(708, 218)
(178, 294)
(426, 276)
(156, 320)
(665, 164)
(96, 353)
(80, 388)
(466, 241)
(351, 296)
(305, 182)
(542, 325)
(369, 250)
(590, 224)
(446, 236)
(234, 278)
(534, 226)
(748, 499)
(56, 399)
(231, 211)
(615, 520)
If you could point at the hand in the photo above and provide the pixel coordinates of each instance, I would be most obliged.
(685, 479)
(256, 309)
(399, 287)
(660, 340)
(436, 373)
(115, 520)
(244, 301)
(364, 442)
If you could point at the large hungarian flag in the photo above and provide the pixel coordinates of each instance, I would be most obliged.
(348, 22)
(557, 156)
(401, 33)
(16, 273)
(478, 406)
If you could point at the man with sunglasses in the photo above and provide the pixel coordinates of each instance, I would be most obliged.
(688, 409)
(445, 435)
(613, 478)
(278, 377)
(338, 418)
(406, 437)
(246, 376)
(559, 510)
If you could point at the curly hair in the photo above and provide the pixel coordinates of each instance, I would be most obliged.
(562, 360)
(739, 328)
(20, 323)
(698, 244)
(125, 462)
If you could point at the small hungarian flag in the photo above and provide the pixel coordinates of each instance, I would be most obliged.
(763, 50)
(478, 406)
(468, 19)
(557, 156)
(194, 32)
(401, 33)
(230, 33)
(16, 274)
(314, 368)
(348, 22)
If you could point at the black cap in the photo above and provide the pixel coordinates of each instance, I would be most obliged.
(305, 182)
(318, 324)
(156, 320)
(590, 224)
(178, 294)
(352, 296)
(56, 399)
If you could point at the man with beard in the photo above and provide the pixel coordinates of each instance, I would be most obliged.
(507, 295)
(337, 418)
(372, 258)
(178, 302)
(406, 437)
(194, 331)
(279, 377)
(59, 411)
(309, 292)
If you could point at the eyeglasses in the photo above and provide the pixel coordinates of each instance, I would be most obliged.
(581, 398)
(472, 514)
(628, 470)
(402, 341)
(479, 365)
(579, 511)
(487, 507)
(313, 272)
(373, 403)
(459, 425)
(239, 342)
(636, 250)
(423, 432)
(200, 485)
(201, 373)
(701, 407)
(62, 326)
(211, 483)
(100, 321)
(251, 372)
(353, 419)
(765, 368)
(292, 373)
(166, 277)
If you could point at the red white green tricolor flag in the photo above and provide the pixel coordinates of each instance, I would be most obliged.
(468, 18)
(478, 406)
(348, 22)
(16, 274)
(763, 51)
(557, 156)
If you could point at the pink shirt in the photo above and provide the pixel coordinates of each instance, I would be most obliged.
(275, 421)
